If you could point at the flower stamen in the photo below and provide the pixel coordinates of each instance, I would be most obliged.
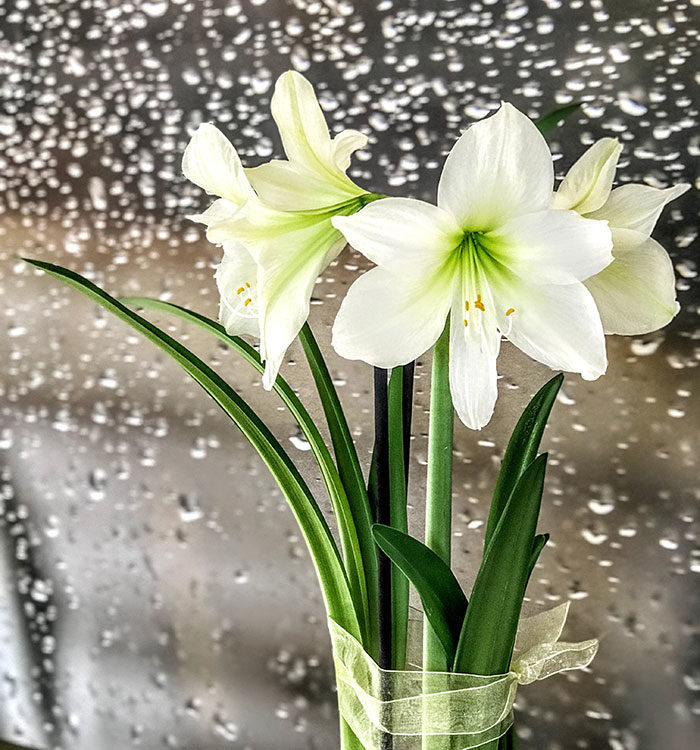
(244, 299)
(479, 304)
(510, 311)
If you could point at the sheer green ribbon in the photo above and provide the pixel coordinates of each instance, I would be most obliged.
(469, 709)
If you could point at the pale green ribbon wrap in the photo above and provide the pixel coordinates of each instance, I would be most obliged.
(471, 710)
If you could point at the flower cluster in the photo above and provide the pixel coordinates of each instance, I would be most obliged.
(501, 254)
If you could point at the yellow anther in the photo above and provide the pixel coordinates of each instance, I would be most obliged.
(247, 284)
(247, 302)
(466, 323)
(479, 304)
(466, 304)
(240, 290)
(510, 311)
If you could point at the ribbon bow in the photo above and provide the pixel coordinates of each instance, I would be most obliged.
(409, 704)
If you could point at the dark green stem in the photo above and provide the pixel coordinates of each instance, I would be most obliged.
(382, 492)
(398, 515)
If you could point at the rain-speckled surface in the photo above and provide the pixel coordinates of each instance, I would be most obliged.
(154, 591)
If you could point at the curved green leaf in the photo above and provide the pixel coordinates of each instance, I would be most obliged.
(553, 119)
(490, 626)
(537, 547)
(352, 553)
(443, 600)
(522, 449)
(324, 554)
(350, 475)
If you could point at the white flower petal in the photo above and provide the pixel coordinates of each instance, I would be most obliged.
(408, 236)
(236, 278)
(303, 129)
(551, 247)
(300, 120)
(473, 352)
(344, 146)
(588, 183)
(557, 325)
(220, 210)
(499, 168)
(636, 293)
(387, 320)
(288, 187)
(211, 162)
(637, 207)
(288, 266)
(257, 223)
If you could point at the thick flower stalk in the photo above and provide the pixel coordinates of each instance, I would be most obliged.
(274, 220)
(493, 256)
(636, 293)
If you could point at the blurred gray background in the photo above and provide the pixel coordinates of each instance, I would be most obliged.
(154, 590)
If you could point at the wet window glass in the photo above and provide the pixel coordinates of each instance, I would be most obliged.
(154, 589)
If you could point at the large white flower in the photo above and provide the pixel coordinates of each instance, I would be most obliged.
(636, 293)
(493, 255)
(274, 221)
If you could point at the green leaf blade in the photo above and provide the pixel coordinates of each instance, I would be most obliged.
(537, 546)
(522, 449)
(350, 474)
(490, 626)
(553, 119)
(317, 535)
(443, 600)
(352, 553)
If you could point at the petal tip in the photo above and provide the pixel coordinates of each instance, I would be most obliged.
(595, 372)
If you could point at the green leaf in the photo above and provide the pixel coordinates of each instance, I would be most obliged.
(522, 449)
(553, 119)
(341, 508)
(537, 547)
(490, 626)
(444, 602)
(350, 475)
(324, 554)
(5, 745)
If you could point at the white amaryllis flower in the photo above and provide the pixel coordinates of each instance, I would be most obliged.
(274, 221)
(636, 293)
(493, 255)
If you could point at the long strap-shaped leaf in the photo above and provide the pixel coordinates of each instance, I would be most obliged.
(350, 474)
(329, 567)
(341, 508)
(443, 600)
(522, 449)
(490, 626)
